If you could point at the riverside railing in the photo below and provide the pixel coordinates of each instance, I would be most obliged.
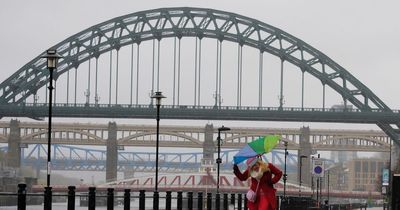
(130, 200)
(142, 200)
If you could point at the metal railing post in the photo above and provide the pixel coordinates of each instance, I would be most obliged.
(225, 201)
(200, 201)
(245, 203)
(47, 198)
(156, 200)
(179, 201)
(239, 202)
(21, 196)
(209, 201)
(92, 198)
(127, 199)
(233, 199)
(190, 200)
(142, 200)
(168, 199)
(110, 198)
(71, 197)
(217, 201)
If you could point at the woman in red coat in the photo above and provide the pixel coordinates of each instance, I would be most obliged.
(263, 176)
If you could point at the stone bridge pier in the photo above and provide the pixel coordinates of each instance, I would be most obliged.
(208, 147)
(112, 153)
(14, 149)
(304, 164)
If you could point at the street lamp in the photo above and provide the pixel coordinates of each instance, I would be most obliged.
(284, 172)
(219, 161)
(52, 60)
(300, 164)
(158, 96)
(328, 173)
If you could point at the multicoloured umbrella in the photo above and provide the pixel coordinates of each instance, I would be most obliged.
(257, 147)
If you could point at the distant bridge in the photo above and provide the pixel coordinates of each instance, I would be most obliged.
(194, 136)
(303, 141)
(87, 159)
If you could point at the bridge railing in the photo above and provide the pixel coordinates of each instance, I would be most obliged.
(112, 197)
(144, 200)
(204, 107)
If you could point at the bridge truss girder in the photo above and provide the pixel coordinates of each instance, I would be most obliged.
(83, 159)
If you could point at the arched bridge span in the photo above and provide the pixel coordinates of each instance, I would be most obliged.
(193, 136)
(159, 24)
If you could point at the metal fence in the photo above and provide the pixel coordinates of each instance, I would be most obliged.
(126, 199)
(123, 199)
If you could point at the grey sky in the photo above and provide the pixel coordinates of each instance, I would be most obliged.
(361, 35)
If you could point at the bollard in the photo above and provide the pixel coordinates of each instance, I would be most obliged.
(239, 202)
(179, 201)
(142, 199)
(92, 198)
(217, 201)
(233, 199)
(209, 201)
(156, 200)
(21, 196)
(47, 198)
(225, 201)
(245, 204)
(168, 199)
(127, 199)
(200, 201)
(71, 197)
(278, 203)
(110, 198)
(190, 200)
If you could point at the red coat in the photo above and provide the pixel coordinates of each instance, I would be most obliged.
(266, 195)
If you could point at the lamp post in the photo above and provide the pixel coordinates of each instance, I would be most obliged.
(312, 178)
(327, 202)
(52, 60)
(328, 173)
(158, 96)
(300, 164)
(284, 171)
(219, 161)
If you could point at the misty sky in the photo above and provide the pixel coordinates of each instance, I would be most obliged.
(361, 35)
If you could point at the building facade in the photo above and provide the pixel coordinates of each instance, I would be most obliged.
(365, 174)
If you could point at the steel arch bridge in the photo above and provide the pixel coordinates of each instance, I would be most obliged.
(91, 134)
(201, 24)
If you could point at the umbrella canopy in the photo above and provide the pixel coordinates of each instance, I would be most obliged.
(257, 147)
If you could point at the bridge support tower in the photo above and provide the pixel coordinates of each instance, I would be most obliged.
(306, 150)
(14, 142)
(208, 148)
(112, 153)
(394, 156)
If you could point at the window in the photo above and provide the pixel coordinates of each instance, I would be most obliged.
(365, 167)
(373, 167)
(357, 166)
